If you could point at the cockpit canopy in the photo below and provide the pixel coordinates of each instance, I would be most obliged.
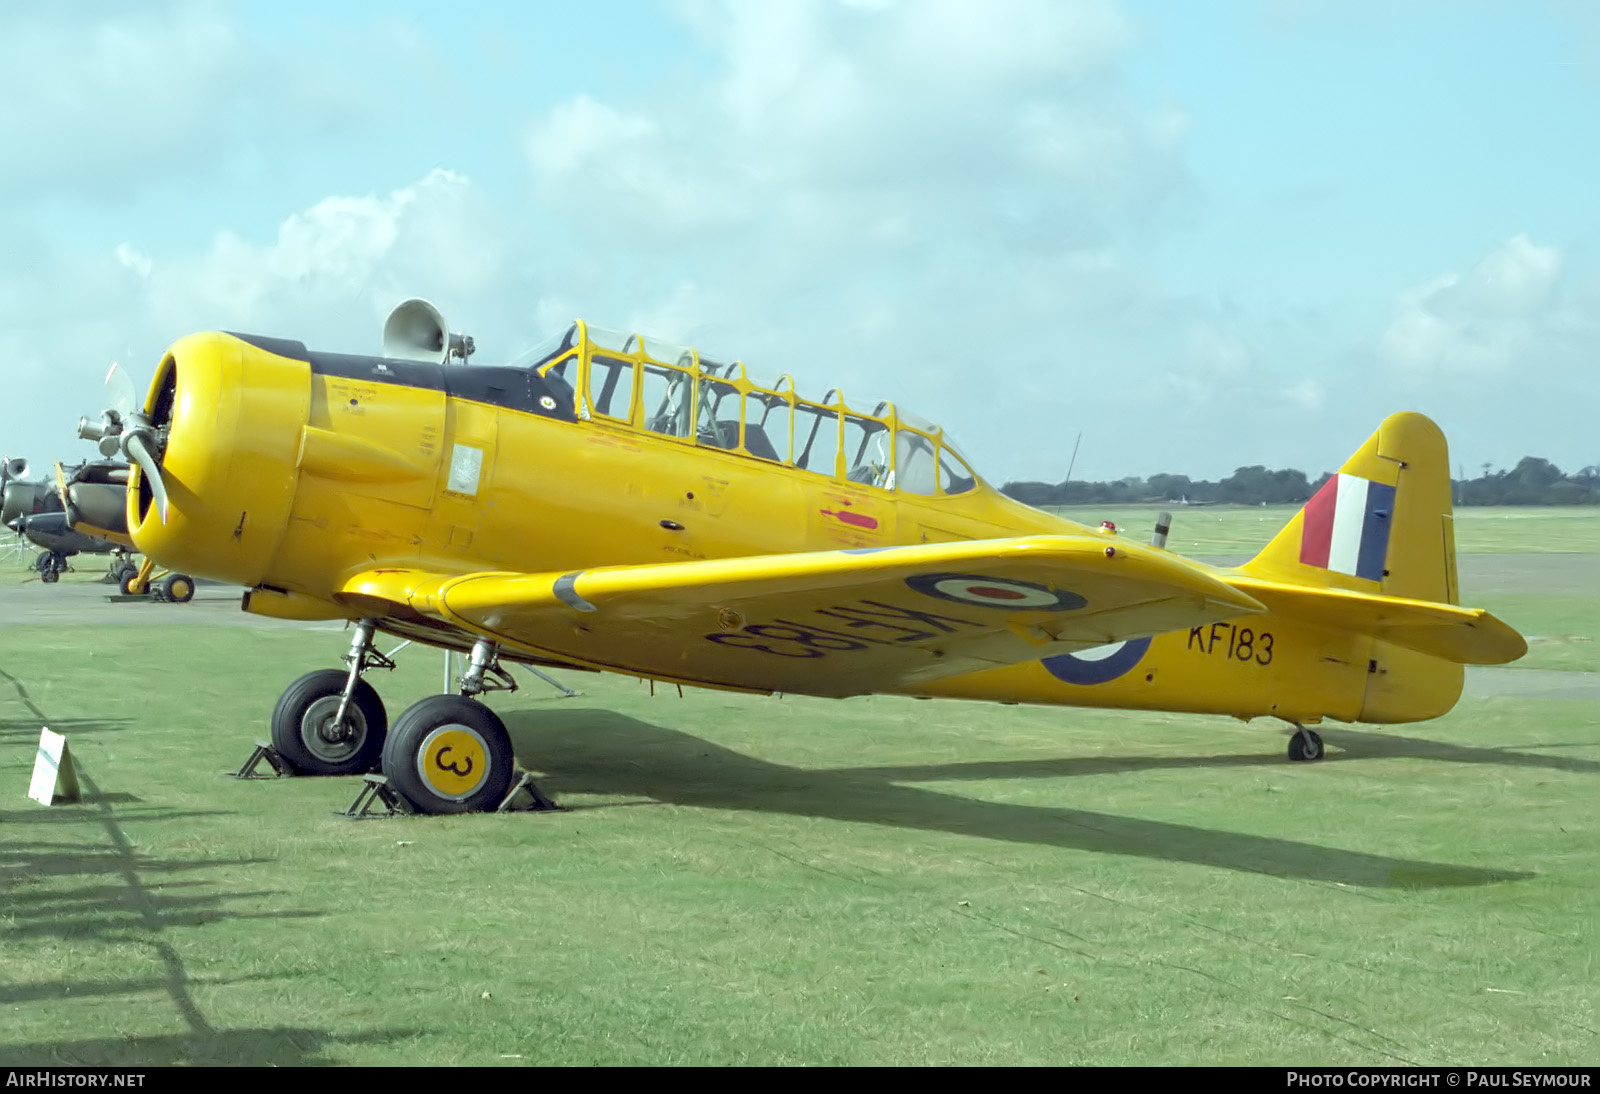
(672, 391)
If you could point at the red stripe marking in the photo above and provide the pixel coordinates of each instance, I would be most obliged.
(1316, 528)
(995, 594)
(860, 520)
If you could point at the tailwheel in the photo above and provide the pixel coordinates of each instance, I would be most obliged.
(450, 754)
(178, 588)
(1305, 746)
(308, 732)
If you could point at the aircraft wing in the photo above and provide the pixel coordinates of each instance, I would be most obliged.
(824, 623)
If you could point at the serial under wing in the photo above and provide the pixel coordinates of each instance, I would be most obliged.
(829, 623)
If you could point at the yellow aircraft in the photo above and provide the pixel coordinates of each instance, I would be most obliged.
(608, 503)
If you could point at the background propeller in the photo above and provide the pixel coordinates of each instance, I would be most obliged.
(123, 427)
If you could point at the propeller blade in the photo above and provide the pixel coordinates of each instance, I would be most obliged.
(141, 455)
(121, 393)
(61, 484)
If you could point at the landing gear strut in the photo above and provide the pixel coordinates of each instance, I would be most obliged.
(450, 753)
(331, 722)
(51, 565)
(1305, 745)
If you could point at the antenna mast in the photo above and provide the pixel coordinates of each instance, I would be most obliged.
(1074, 459)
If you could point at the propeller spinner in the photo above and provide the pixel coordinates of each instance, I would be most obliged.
(124, 428)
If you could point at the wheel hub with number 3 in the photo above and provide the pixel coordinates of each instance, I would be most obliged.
(453, 761)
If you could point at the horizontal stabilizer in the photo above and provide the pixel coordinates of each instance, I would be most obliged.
(1469, 636)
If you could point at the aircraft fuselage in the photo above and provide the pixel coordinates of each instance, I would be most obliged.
(292, 471)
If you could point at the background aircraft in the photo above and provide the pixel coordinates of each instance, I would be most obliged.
(83, 512)
(37, 511)
(610, 503)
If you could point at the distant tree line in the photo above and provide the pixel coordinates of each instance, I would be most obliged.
(1532, 482)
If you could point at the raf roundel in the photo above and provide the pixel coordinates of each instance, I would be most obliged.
(1099, 665)
(994, 592)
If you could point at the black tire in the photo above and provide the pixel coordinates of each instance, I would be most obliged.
(178, 588)
(45, 562)
(449, 754)
(126, 582)
(124, 572)
(49, 577)
(1305, 746)
(302, 719)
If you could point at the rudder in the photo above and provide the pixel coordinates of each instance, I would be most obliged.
(1382, 524)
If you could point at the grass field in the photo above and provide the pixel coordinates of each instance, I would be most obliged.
(786, 880)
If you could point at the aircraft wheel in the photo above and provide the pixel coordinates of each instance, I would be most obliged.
(304, 734)
(49, 576)
(450, 754)
(127, 581)
(1305, 746)
(178, 588)
(124, 572)
(45, 561)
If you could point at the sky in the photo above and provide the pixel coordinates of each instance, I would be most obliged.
(1201, 236)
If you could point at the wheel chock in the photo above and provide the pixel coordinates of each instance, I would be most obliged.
(264, 753)
(375, 789)
(537, 801)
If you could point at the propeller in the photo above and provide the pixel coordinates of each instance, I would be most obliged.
(124, 428)
(121, 391)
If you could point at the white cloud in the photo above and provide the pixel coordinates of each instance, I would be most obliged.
(95, 101)
(345, 256)
(100, 101)
(133, 260)
(327, 276)
(1307, 394)
(1506, 313)
(897, 197)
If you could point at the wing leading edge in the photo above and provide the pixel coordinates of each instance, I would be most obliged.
(828, 623)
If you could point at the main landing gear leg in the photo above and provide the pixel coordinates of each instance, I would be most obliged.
(1305, 745)
(331, 722)
(450, 753)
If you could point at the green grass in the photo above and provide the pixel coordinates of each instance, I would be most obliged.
(1563, 632)
(765, 880)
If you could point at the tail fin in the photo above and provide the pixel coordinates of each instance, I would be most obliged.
(1383, 524)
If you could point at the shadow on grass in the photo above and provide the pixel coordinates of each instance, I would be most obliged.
(118, 902)
(79, 814)
(599, 752)
(26, 730)
(279, 1046)
(30, 907)
(43, 991)
(1351, 744)
(1356, 744)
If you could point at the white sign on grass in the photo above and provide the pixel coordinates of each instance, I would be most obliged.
(54, 780)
